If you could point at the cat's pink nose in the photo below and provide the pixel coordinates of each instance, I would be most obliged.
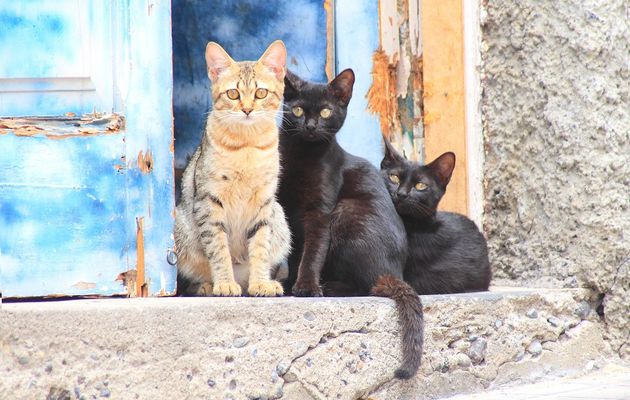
(247, 110)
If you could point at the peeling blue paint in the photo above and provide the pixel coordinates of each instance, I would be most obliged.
(68, 206)
(61, 212)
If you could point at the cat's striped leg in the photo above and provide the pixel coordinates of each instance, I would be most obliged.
(210, 217)
(259, 246)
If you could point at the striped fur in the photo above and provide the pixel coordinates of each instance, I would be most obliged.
(230, 232)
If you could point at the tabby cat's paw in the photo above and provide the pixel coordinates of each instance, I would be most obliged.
(265, 288)
(226, 289)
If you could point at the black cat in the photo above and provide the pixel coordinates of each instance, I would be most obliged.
(447, 253)
(347, 236)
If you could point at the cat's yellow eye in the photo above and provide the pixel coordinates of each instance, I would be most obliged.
(325, 113)
(233, 94)
(420, 186)
(394, 178)
(297, 111)
(261, 93)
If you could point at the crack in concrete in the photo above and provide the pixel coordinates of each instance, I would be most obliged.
(618, 270)
(381, 385)
(313, 387)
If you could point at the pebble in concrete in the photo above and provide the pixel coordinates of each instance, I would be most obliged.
(240, 342)
(535, 348)
(582, 310)
(477, 351)
(554, 321)
(283, 367)
(532, 313)
(463, 360)
(309, 316)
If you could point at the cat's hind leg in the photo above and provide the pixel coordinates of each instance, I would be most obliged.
(194, 276)
(269, 242)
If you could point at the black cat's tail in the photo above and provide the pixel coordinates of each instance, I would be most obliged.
(411, 319)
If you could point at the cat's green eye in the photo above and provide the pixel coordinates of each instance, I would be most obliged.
(261, 93)
(297, 111)
(233, 94)
(420, 186)
(325, 113)
(394, 178)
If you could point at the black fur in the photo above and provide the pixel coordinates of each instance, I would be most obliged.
(346, 232)
(447, 252)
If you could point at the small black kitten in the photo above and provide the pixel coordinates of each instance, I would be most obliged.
(347, 237)
(447, 252)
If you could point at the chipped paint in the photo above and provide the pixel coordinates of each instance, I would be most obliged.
(330, 39)
(84, 285)
(141, 286)
(66, 203)
(379, 96)
(63, 127)
(396, 92)
(145, 162)
(128, 280)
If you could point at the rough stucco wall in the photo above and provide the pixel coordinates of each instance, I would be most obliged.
(556, 115)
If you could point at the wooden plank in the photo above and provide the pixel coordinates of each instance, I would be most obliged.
(444, 90)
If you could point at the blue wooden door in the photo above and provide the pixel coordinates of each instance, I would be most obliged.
(86, 148)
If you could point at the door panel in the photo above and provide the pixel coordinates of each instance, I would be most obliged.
(58, 57)
(63, 231)
(74, 185)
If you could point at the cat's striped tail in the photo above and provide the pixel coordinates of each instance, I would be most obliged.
(411, 318)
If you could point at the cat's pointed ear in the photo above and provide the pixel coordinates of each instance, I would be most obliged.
(341, 86)
(292, 84)
(390, 157)
(442, 168)
(275, 59)
(217, 59)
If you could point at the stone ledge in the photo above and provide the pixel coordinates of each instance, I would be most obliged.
(291, 348)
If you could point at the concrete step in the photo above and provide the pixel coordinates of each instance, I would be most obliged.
(292, 348)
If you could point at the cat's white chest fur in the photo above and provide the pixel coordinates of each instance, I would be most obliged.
(246, 183)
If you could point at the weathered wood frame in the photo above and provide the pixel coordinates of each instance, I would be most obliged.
(432, 55)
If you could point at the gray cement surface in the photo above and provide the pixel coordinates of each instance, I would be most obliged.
(291, 348)
(610, 383)
(556, 125)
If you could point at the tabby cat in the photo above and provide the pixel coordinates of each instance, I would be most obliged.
(447, 253)
(348, 238)
(230, 231)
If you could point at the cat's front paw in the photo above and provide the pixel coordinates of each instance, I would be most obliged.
(226, 289)
(265, 288)
(307, 290)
